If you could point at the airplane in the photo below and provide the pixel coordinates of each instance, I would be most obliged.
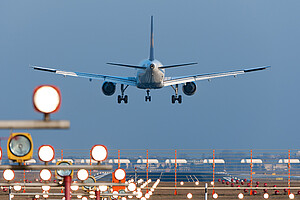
(150, 75)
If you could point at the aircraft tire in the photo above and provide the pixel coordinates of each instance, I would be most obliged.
(173, 99)
(119, 99)
(126, 99)
(179, 99)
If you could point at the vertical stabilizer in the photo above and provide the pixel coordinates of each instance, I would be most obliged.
(151, 42)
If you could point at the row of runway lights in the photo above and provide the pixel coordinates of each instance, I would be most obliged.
(149, 193)
(240, 196)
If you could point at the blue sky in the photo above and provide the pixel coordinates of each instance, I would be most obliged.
(259, 110)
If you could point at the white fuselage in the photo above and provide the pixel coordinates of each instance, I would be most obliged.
(152, 77)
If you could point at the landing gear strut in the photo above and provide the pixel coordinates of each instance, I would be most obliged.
(123, 97)
(148, 97)
(176, 97)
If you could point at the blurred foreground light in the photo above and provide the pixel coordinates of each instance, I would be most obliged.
(115, 194)
(79, 196)
(147, 195)
(266, 195)
(46, 188)
(212, 183)
(46, 99)
(63, 172)
(131, 187)
(19, 147)
(143, 198)
(46, 153)
(181, 183)
(82, 174)
(37, 196)
(92, 196)
(45, 195)
(197, 183)
(240, 195)
(45, 174)
(189, 195)
(120, 174)
(215, 195)
(103, 188)
(84, 198)
(123, 198)
(99, 152)
(139, 194)
(17, 187)
(74, 188)
(291, 196)
(150, 192)
(8, 175)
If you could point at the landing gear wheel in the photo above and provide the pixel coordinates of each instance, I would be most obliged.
(123, 97)
(173, 99)
(126, 99)
(119, 99)
(179, 99)
(148, 97)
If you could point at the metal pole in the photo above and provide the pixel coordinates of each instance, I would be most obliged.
(175, 192)
(97, 194)
(289, 166)
(205, 196)
(119, 164)
(9, 193)
(251, 173)
(67, 181)
(213, 172)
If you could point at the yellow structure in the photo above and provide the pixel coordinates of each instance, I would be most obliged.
(19, 147)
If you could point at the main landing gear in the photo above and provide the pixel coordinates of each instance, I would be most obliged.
(123, 97)
(176, 97)
(148, 97)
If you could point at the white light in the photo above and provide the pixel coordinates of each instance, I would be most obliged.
(240, 195)
(103, 188)
(212, 183)
(46, 188)
(181, 183)
(150, 193)
(130, 197)
(131, 187)
(46, 153)
(45, 174)
(291, 196)
(17, 187)
(79, 196)
(115, 194)
(266, 195)
(147, 196)
(12, 196)
(63, 198)
(215, 195)
(84, 198)
(82, 174)
(123, 198)
(189, 195)
(74, 188)
(143, 198)
(92, 196)
(46, 99)
(139, 194)
(152, 189)
(197, 183)
(99, 152)
(120, 174)
(45, 195)
(8, 174)
(37, 196)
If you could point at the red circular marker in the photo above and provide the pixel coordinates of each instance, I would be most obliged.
(46, 99)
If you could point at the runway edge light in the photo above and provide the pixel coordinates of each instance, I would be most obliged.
(19, 147)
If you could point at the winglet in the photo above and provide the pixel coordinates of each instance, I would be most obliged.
(256, 69)
(151, 41)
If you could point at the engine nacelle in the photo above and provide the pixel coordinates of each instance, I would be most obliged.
(189, 88)
(108, 88)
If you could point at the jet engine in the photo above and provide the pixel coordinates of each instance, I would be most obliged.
(189, 88)
(108, 88)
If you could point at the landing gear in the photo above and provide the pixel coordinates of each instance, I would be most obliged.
(176, 97)
(123, 97)
(148, 97)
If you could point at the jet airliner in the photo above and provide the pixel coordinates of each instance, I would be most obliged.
(150, 75)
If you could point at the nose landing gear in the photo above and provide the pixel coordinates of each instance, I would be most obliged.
(148, 97)
(176, 97)
(123, 97)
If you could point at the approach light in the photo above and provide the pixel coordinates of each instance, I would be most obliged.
(215, 195)
(197, 183)
(82, 174)
(45, 174)
(143, 198)
(46, 153)
(92, 196)
(17, 187)
(291, 196)
(19, 147)
(240, 195)
(45, 195)
(115, 194)
(8, 175)
(181, 183)
(84, 198)
(90, 179)
(103, 188)
(46, 99)
(150, 193)
(266, 195)
(64, 172)
(46, 188)
(147, 195)
(139, 194)
(37, 196)
(99, 152)
(74, 187)
(123, 198)
(120, 174)
(131, 187)
(189, 195)
(130, 197)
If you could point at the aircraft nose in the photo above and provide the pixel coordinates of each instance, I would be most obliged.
(152, 66)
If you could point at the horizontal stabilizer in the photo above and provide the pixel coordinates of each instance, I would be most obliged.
(178, 65)
(125, 65)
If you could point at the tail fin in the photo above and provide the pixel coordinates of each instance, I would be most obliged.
(151, 42)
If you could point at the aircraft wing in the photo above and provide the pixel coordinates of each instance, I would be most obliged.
(185, 79)
(114, 79)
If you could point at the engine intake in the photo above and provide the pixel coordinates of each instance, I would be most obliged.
(189, 88)
(108, 88)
